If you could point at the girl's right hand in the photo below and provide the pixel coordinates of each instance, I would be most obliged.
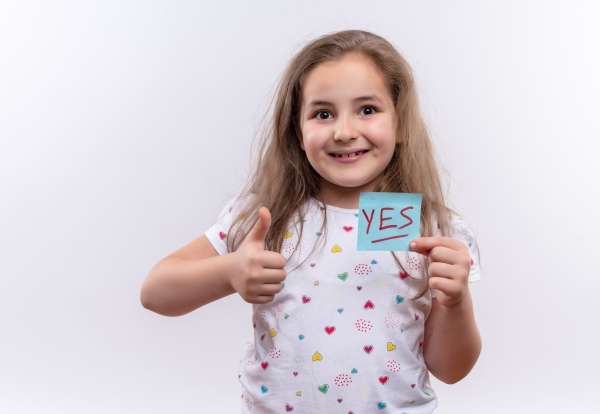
(258, 272)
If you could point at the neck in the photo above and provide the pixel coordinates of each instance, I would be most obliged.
(343, 197)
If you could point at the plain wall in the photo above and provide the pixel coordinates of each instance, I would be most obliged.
(125, 126)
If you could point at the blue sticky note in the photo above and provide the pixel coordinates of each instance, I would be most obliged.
(388, 221)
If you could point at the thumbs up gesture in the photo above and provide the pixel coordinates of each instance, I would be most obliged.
(259, 272)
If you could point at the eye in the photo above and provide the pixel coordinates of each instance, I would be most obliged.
(322, 111)
(370, 107)
(316, 114)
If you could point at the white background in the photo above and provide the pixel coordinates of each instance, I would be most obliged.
(125, 126)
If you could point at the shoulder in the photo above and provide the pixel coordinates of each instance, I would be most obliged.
(461, 229)
(218, 232)
(458, 225)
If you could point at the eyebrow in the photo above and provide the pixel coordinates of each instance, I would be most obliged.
(359, 99)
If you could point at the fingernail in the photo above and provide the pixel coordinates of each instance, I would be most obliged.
(412, 244)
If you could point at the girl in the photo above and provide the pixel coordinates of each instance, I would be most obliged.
(336, 330)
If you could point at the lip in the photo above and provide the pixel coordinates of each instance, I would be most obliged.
(349, 151)
(349, 160)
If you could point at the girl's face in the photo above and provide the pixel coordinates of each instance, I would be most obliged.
(346, 107)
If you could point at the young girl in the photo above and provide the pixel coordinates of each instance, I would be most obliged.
(336, 330)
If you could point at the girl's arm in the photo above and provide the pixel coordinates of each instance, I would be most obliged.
(452, 341)
(187, 279)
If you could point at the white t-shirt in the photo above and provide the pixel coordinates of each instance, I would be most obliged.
(342, 336)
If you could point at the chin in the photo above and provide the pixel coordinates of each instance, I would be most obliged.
(350, 183)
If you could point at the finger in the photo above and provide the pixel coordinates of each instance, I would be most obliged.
(446, 255)
(424, 245)
(447, 286)
(272, 260)
(444, 270)
(272, 276)
(263, 299)
(270, 289)
(259, 231)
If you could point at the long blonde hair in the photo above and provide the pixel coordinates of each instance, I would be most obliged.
(282, 178)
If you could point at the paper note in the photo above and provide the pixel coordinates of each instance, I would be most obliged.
(388, 221)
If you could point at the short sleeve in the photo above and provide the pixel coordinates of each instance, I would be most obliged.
(217, 232)
(460, 230)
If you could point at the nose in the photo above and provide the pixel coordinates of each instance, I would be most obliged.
(344, 130)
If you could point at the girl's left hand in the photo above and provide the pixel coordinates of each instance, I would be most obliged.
(449, 268)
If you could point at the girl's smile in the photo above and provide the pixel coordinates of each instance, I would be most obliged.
(348, 157)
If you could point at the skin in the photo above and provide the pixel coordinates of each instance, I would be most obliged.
(452, 343)
(347, 124)
(451, 340)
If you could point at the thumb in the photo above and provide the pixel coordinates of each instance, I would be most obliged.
(259, 231)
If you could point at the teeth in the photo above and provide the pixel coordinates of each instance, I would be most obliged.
(348, 155)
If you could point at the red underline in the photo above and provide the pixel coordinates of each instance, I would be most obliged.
(388, 238)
